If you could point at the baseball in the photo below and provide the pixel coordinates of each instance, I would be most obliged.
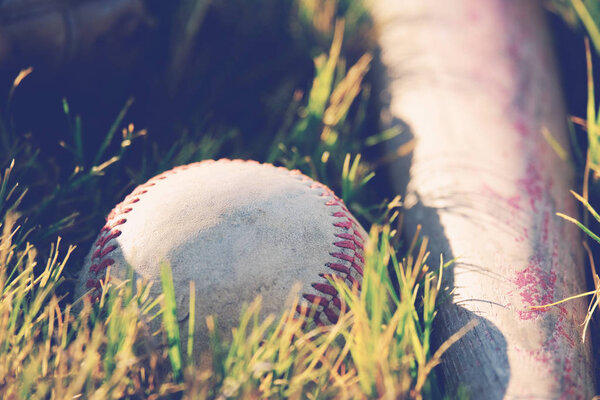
(238, 229)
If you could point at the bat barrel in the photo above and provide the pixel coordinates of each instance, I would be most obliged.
(475, 84)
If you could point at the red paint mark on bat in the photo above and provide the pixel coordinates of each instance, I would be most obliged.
(563, 310)
(560, 330)
(546, 226)
(543, 358)
(521, 127)
(514, 51)
(514, 202)
(569, 384)
(536, 287)
(473, 15)
(555, 248)
(554, 353)
(532, 184)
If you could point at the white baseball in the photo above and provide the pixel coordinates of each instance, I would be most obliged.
(238, 229)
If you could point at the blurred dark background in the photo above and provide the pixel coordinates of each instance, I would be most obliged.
(237, 67)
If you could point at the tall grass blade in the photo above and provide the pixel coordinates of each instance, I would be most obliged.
(191, 321)
(111, 132)
(581, 226)
(170, 323)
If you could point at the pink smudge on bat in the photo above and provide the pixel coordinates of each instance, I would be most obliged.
(536, 287)
(532, 184)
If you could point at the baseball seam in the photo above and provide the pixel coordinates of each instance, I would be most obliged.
(346, 260)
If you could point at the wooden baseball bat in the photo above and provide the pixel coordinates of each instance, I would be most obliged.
(475, 84)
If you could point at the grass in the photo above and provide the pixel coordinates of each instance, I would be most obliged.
(587, 15)
(378, 348)
(52, 203)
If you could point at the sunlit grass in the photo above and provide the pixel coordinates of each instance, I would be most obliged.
(378, 348)
(588, 14)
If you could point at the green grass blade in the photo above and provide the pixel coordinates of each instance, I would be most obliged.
(592, 126)
(383, 136)
(587, 205)
(111, 132)
(170, 323)
(588, 21)
(581, 226)
(191, 321)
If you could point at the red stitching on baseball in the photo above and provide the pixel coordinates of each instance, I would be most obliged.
(354, 242)
(102, 265)
(343, 256)
(357, 242)
(93, 283)
(353, 281)
(337, 302)
(339, 267)
(343, 266)
(101, 252)
(313, 298)
(331, 315)
(357, 268)
(325, 288)
(112, 235)
(345, 244)
(361, 258)
(345, 224)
